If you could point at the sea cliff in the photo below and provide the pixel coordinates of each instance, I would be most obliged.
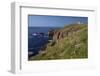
(69, 42)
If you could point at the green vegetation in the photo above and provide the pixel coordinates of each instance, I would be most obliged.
(71, 44)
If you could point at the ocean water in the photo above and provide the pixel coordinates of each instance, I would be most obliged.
(36, 42)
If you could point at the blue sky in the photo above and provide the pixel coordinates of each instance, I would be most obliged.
(54, 21)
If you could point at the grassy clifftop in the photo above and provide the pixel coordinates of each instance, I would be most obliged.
(69, 42)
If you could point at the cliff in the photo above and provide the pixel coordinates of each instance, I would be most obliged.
(69, 42)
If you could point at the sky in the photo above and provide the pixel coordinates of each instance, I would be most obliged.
(54, 21)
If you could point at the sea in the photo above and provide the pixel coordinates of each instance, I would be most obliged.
(37, 38)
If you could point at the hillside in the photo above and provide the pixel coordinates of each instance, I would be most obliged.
(69, 42)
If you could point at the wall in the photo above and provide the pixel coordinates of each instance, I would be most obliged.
(5, 33)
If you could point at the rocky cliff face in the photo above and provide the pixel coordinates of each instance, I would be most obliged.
(65, 32)
(67, 42)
